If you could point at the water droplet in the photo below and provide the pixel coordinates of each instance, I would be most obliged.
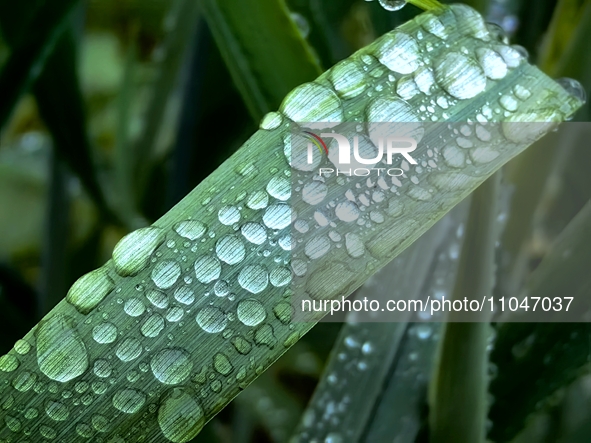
(166, 273)
(312, 102)
(174, 314)
(134, 307)
(253, 278)
(251, 312)
(207, 269)
(423, 332)
(399, 52)
(22, 347)
(347, 79)
(83, 430)
(333, 437)
(460, 75)
(280, 277)
(258, 200)
(242, 345)
(190, 229)
(317, 246)
(454, 157)
(283, 312)
(152, 326)
(492, 63)
(104, 333)
(230, 249)
(133, 251)
(129, 349)
(180, 416)
(171, 365)
(56, 411)
(157, 298)
(129, 401)
(89, 290)
(574, 88)
(470, 22)
(47, 432)
(61, 353)
(509, 102)
(100, 423)
(347, 211)
(212, 319)
(24, 381)
(314, 192)
(8, 363)
(280, 188)
(102, 368)
(229, 215)
(277, 216)
(13, 423)
(354, 245)
(222, 364)
(254, 233)
(521, 92)
(271, 120)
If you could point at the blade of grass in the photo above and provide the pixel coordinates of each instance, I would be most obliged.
(223, 343)
(44, 56)
(262, 48)
(362, 359)
(458, 392)
(556, 352)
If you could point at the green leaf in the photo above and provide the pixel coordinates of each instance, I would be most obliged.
(458, 403)
(555, 352)
(44, 55)
(219, 302)
(367, 354)
(263, 48)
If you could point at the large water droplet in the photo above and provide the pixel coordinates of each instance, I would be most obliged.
(190, 229)
(104, 333)
(8, 363)
(258, 200)
(573, 87)
(312, 102)
(207, 269)
(157, 298)
(347, 79)
(133, 251)
(492, 63)
(180, 416)
(354, 245)
(399, 52)
(129, 349)
(460, 75)
(392, 5)
(212, 319)
(317, 246)
(229, 215)
(347, 211)
(230, 249)
(56, 411)
(129, 401)
(280, 188)
(314, 192)
(89, 290)
(277, 216)
(166, 273)
(22, 347)
(61, 353)
(171, 365)
(253, 278)
(251, 312)
(152, 326)
(254, 233)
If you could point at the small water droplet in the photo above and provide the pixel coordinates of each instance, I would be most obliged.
(271, 120)
(166, 273)
(152, 326)
(134, 307)
(207, 269)
(104, 333)
(253, 278)
(190, 229)
(573, 87)
(129, 349)
(230, 249)
(212, 319)
(129, 401)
